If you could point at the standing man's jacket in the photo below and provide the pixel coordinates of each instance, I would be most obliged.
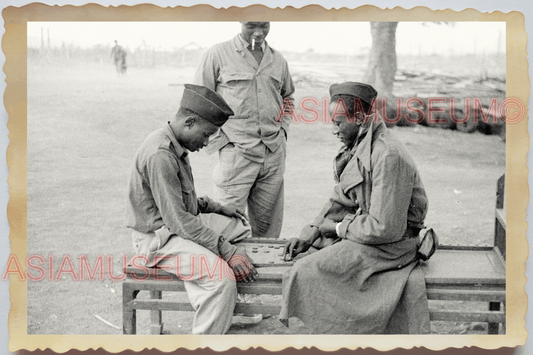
(255, 92)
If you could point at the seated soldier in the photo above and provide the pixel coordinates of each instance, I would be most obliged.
(183, 234)
(365, 234)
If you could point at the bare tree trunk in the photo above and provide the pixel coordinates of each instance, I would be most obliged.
(382, 62)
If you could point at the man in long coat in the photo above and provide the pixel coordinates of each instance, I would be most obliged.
(365, 234)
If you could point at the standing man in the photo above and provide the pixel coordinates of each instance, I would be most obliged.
(254, 80)
(366, 234)
(175, 230)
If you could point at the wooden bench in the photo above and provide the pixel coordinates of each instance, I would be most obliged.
(454, 273)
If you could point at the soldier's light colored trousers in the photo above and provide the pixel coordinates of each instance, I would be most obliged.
(210, 282)
(259, 187)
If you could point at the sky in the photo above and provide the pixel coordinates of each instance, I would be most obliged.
(348, 38)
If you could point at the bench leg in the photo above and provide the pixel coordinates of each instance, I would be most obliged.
(494, 327)
(156, 323)
(129, 314)
(504, 325)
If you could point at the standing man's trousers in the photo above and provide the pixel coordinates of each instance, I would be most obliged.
(209, 281)
(256, 186)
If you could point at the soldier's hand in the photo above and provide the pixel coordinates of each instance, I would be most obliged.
(234, 212)
(294, 247)
(242, 266)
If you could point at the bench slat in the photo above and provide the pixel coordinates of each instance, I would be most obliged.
(258, 287)
(246, 308)
(464, 267)
(480, 266)
(263, 241)
(459, 316)
(160, 305)
(257, 308)
(500, 216)
(451, 293)
(157, 285)
(269, 273)
(466, 295)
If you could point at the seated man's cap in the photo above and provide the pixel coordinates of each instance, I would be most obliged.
(206, 103)
(363, 91)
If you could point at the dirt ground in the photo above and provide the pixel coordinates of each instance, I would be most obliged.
(84, 126)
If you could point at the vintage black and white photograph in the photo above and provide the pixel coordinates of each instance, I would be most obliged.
(266, 178)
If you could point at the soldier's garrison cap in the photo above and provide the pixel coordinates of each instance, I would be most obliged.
(363, 91)
(206, 103)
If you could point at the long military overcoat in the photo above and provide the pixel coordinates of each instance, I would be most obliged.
(354, 283)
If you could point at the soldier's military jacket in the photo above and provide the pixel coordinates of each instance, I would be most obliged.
(354, 282)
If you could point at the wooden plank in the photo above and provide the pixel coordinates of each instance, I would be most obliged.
(466, 287)
(246, 308)
(146, 274)
(500, 192)
(500, 216)
(467, 247)
(152, 285)
(500, 239)
(129, 315)
(464, 267)
(259, 289)
(270, 275)
(497, 261)
(161, 305)
(268, 272)
(156, 322)
(493, 328)
(257, 308)
(274, 288)
(470, 281)
(262, 241)
(465, 295)
(459, 316)
(279, 264)
(457, 267)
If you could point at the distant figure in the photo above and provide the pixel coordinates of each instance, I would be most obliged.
(119, 55)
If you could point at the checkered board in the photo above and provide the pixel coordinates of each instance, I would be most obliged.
(268, 254)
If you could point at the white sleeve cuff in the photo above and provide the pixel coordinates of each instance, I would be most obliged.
(338, 229)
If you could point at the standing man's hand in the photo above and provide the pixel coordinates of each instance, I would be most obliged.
(284, 133)
(242, 266)
(233, 212)
(328, 228)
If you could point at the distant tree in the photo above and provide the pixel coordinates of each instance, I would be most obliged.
(382, 60)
